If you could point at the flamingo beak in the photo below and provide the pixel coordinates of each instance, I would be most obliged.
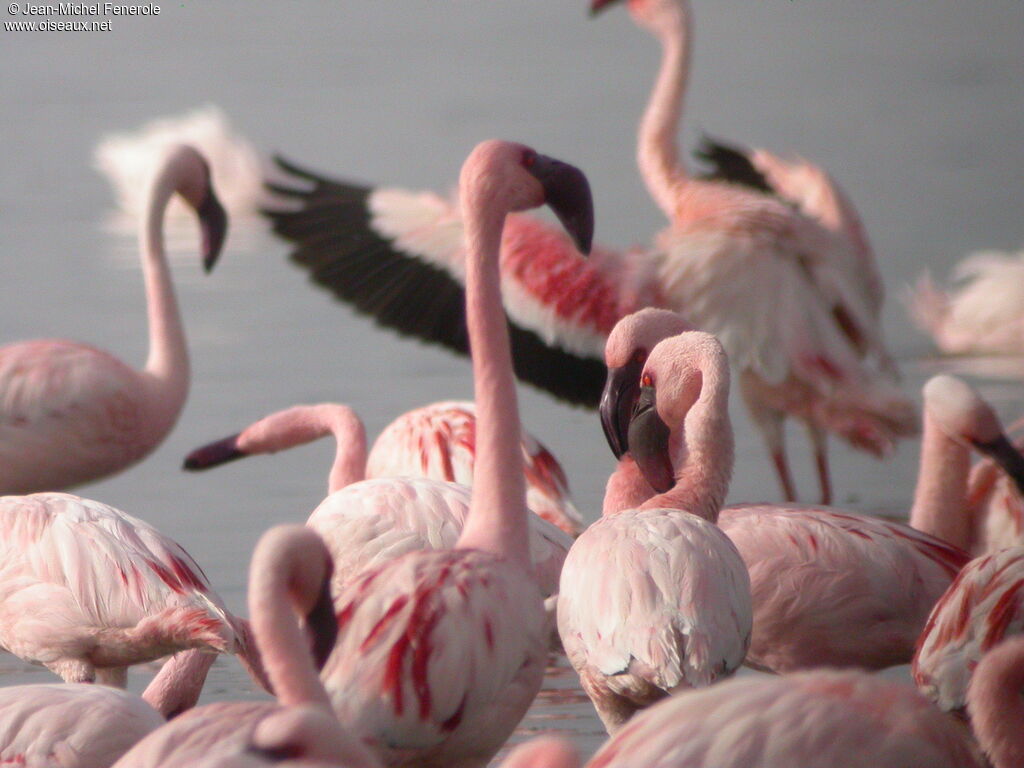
(567, 192)
(213, 454)
(323, 624)
(621, 391)
(648, 442)
(596, 6)
(1001, 451)
(213, 224)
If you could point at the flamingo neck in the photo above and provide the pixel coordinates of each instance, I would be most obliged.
(626, 489)
(282, 644)
(178, 684)
(167, 366)
(996, 704)
(497, 512)
(657, 152)
(350, 455)
(940, 502)
(705, 451)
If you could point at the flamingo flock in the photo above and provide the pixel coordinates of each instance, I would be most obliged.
(410, 619)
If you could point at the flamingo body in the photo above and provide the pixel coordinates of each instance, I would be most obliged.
(70, 725)
(834, 589)
(87, 590)
(981, 608)
(439, 441)
(652, 602)
(840, 719)
(439, 656)
(374, 521)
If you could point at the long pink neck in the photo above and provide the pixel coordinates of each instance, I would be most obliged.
(303, 424)
(274, 577)
(167, 366)
(995, 701)
(705, 449)
(657, 152)
(497, 517)
(179, 683)
(940, 498)
(626, 488)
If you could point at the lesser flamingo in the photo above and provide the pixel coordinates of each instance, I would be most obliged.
(839, 719)
(440, 653)
(365, 522)
(289, 575)
(983, 606)
(789, 287)
(71, 413)
(87, 591)
(436, 441)
(995, 703)
(655, 599)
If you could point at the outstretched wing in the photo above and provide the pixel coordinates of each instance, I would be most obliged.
(398, 256)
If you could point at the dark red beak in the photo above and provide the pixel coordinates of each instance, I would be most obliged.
(648, 442)
(621, 392)
(213, 454)
(1006, 456)
(596, 6)
(567, 193)
(213, 224)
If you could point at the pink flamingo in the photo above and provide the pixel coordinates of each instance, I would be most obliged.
(87, 591)
(436, 441)
(984, 314)
(289, 574)
(655, 599)
(983, 606)
(994, 702)
(995, 498)
(71, 413)
(543, 752)
(365, 522)
(440, 653)
(840, 719)
(788, 283)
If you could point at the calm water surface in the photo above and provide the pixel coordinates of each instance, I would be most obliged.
(915, 107)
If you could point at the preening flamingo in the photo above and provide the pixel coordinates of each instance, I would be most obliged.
(996, 501)
(656, 599)
(289, 574)
(984, 314)
(71, 413)
(829, 587)
(70, 725)
(995, 703)
(440, 653)
(790, 287)
(981, 608)
(436, 441)
(365, 522)
(839, 719)
(87, 591)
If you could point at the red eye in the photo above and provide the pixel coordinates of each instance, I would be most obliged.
(646, 380)
(529, 157)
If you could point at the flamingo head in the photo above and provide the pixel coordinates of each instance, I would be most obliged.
(655, 15)
(625, 353)
(964, 416)
(503, 176)
(670, 384)
(195, 185)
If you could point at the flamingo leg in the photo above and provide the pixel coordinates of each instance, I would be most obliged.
(819, 441)
(768, 420)
(782, 470)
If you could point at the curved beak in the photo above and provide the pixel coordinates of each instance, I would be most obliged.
(596, 6)
(213, 224)
(1001, 451)
(323, 624)
(621, 390)
(213, 454)
(567, 192)
(648, 442)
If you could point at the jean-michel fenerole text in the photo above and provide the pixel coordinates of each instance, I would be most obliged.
(87, 9)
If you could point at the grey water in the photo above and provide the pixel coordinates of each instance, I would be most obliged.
(915, 107)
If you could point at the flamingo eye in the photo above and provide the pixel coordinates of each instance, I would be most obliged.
(529, 158)
(646, 380)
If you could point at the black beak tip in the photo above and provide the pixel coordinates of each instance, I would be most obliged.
(213, 224)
